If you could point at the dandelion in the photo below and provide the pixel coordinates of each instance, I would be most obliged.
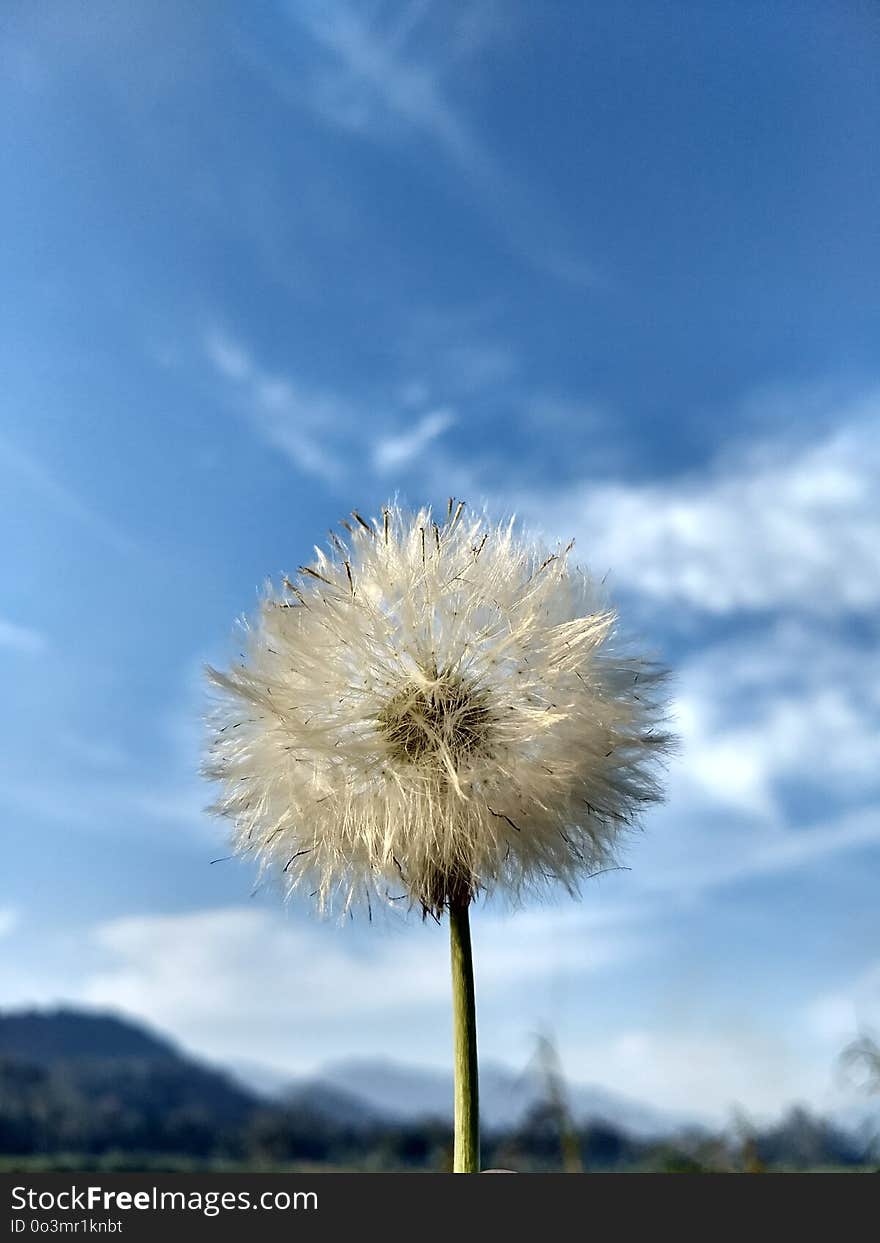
(430, 712)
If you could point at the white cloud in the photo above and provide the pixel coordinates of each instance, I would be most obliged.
(792, 704)
(393, 452)
(703, 1069)
(21, 638)
(791, 525)
(779, 768)
(246, 983)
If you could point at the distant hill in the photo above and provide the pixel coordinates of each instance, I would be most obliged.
(91, 1082)
(43, 1036)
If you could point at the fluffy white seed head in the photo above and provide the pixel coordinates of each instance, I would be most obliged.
(434, 710)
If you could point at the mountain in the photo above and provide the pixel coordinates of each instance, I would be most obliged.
(390, 1091)
(87, 1082)
(43, 1036)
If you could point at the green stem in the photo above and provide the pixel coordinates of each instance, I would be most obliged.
(464, 1027)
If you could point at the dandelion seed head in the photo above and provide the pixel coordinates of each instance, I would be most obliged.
(433, 710)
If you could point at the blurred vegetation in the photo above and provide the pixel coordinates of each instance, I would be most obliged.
(138, 1115)
(861, 1061)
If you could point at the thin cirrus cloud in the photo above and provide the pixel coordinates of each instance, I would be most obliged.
(792, 526)
(388, 79)
(679, 859)
(393, 452)
(370, 77)
(315, 428)
(287, 415)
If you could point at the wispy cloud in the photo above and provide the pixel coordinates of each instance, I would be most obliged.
(296, 419)
(94, 806)
(696, 863)
(230, 357)
(21, 638)
(8, 920)
(323, 432)
(458, 351)
(388, 75)
(392, 452)
(372, 76)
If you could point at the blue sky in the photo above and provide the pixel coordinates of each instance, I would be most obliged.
(610, 266)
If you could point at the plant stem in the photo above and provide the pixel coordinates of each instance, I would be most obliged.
(464, 1027)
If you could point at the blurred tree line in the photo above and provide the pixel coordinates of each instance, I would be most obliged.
(135, 1107)
(88, 1092)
